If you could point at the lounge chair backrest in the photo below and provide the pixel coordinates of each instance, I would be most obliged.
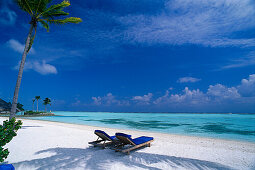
(103, 135)
(126, 139)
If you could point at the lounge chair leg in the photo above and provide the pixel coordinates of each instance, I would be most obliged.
(104, 145)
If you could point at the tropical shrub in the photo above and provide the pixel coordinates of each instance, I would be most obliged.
(7, 131)
(30, 112)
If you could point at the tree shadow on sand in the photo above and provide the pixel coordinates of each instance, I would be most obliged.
(96, 158)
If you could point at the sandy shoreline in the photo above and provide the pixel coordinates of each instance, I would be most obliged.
(142, 131)
(54, 145)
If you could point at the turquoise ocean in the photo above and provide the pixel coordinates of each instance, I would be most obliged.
(224, 126)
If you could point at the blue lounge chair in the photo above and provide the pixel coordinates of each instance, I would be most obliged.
(7, 167)
(103, 139)
(132, 143)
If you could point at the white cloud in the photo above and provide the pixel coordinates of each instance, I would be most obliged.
(247, 87)
(217, 98)
(17, 46)
(42, 68)
(109, 100)
(7, 16)
(192, 96)
(193, 22)
(215, 93)
(97, 100)
(249, 60)
(188, 97)
(162, 99)
(220, 92)
(143, 100)
(188, 80)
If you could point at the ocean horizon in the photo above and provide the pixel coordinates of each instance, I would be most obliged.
(231, 126)
(159, 112)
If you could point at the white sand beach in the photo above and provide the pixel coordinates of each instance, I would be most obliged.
(52, 145)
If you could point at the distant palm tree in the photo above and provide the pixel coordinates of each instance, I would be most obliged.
(37, 98)
(46, 101)
(33, 103)
(39, 11)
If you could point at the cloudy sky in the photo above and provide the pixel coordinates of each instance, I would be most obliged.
(136, 56)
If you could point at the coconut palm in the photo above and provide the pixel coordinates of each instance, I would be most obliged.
(33, 103)
(37, 98)
(39, 11)
(46, 101)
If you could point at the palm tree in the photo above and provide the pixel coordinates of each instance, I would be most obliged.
(39, 11)
(33, 103)
(37, 98)
(46, 101)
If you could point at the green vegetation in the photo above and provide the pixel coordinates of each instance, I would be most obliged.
(7, 131)
(39, 11)
(46, 101)
(30, 112)
(33, 113)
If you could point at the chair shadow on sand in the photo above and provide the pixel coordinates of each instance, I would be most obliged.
(25, 127)
(95, 158)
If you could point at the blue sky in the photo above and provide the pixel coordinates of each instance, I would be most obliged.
(136, 56)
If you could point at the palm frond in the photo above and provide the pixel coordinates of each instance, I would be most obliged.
(24, 5)
(56, 7)
(52, 14)
(39, 6)
(65, 21)
(40, 13)
(45, 25)
(33, 6)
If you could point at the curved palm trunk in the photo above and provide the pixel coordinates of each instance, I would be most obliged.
(33, 105)
(22, 63)
(45, 108)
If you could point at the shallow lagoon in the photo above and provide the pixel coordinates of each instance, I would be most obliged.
(226, 126)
